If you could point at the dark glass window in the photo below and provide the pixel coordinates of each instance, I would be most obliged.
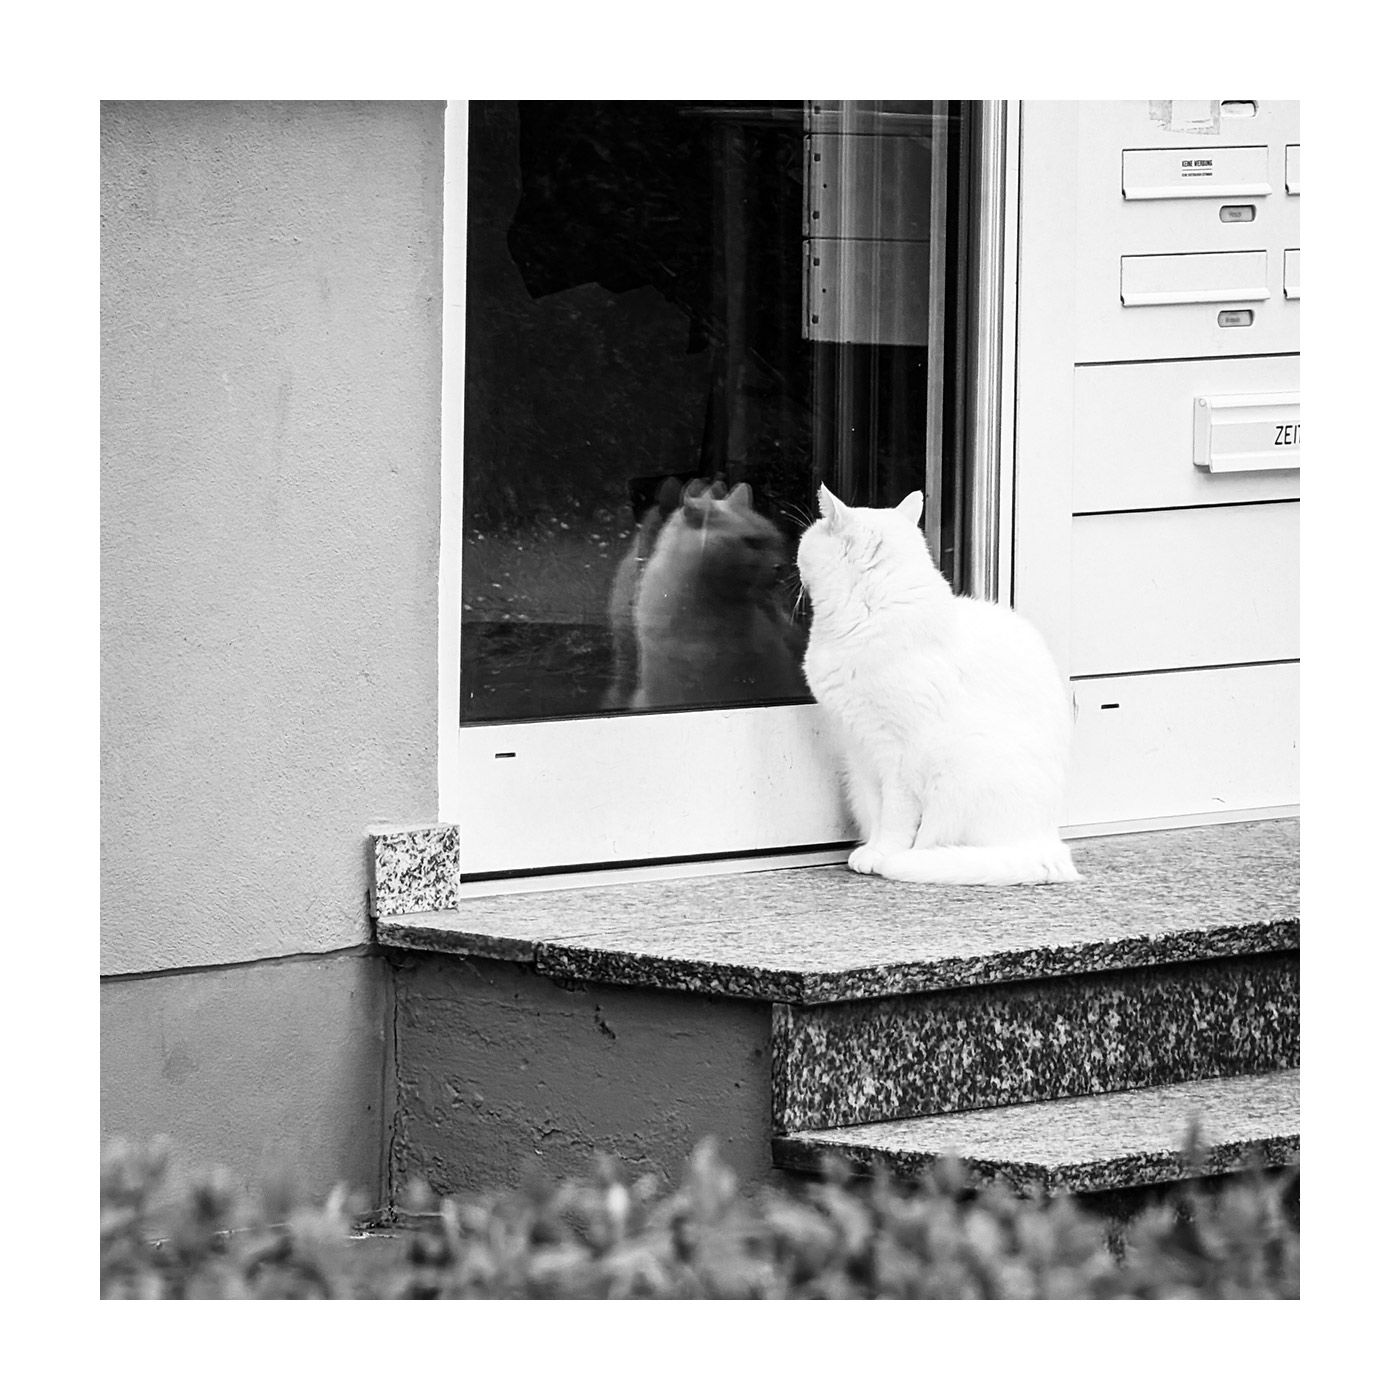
(682, 316)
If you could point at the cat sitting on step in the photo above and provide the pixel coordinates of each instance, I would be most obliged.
(950, 715)
(708, 623)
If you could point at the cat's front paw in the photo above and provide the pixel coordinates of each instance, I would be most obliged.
(864, 858)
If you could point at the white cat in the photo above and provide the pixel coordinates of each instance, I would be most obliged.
(952, 719)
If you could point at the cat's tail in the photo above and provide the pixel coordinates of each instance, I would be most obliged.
(1046, 861)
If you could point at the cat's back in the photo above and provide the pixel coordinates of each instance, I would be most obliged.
(1008, 678)
(990, 648)
(996, 631)
(955, 659)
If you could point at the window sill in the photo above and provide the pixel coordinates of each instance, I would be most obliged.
(821, 934)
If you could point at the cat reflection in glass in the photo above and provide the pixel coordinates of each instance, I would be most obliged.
(950, 716)
(698, 609)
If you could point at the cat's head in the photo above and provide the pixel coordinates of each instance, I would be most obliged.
(703, 501)
(864, 553)
(741, 549)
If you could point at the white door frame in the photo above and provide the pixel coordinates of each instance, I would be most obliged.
(636, 755)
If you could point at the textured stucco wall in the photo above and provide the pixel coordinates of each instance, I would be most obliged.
(254, 1066)
(271, 364)
(502, 1072)
(271, 367)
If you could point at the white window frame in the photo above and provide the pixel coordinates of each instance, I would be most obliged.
(454, 366)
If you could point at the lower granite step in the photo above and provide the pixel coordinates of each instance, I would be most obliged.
(1099, 1142)
(840, 1063)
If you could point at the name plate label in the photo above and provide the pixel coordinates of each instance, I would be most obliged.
(1196, 172)
(1247, 432)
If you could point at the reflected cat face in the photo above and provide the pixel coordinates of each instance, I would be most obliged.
(711, 623)
(730, 541)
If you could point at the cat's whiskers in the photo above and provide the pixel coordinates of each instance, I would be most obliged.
(796, 514)
(797, 601)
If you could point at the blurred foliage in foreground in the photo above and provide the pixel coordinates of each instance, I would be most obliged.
(601, 1237)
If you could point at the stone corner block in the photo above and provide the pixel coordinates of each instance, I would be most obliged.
(416, 868)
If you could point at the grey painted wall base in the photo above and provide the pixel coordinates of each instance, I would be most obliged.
(503, 1072)
(253, 1065)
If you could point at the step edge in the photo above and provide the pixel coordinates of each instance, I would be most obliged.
(803, 1152)
(805, 987)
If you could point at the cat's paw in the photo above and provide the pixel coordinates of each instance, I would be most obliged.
(863, 859)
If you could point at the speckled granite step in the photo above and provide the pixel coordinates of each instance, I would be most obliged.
(1096, 1143)
(979, 1047)
(823, 934)
(1103, 1141)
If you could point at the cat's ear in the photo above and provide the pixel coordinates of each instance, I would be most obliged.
(911, 507)
(695, 503)
(742, 495)
(668, 494)
(832, 509)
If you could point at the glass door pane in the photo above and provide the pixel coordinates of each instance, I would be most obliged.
(681, 318)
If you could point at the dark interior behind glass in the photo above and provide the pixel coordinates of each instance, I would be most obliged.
(682, 316)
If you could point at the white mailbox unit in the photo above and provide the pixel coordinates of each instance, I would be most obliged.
(1156, 483)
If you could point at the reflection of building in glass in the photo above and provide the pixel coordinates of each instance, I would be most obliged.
(648, 302)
